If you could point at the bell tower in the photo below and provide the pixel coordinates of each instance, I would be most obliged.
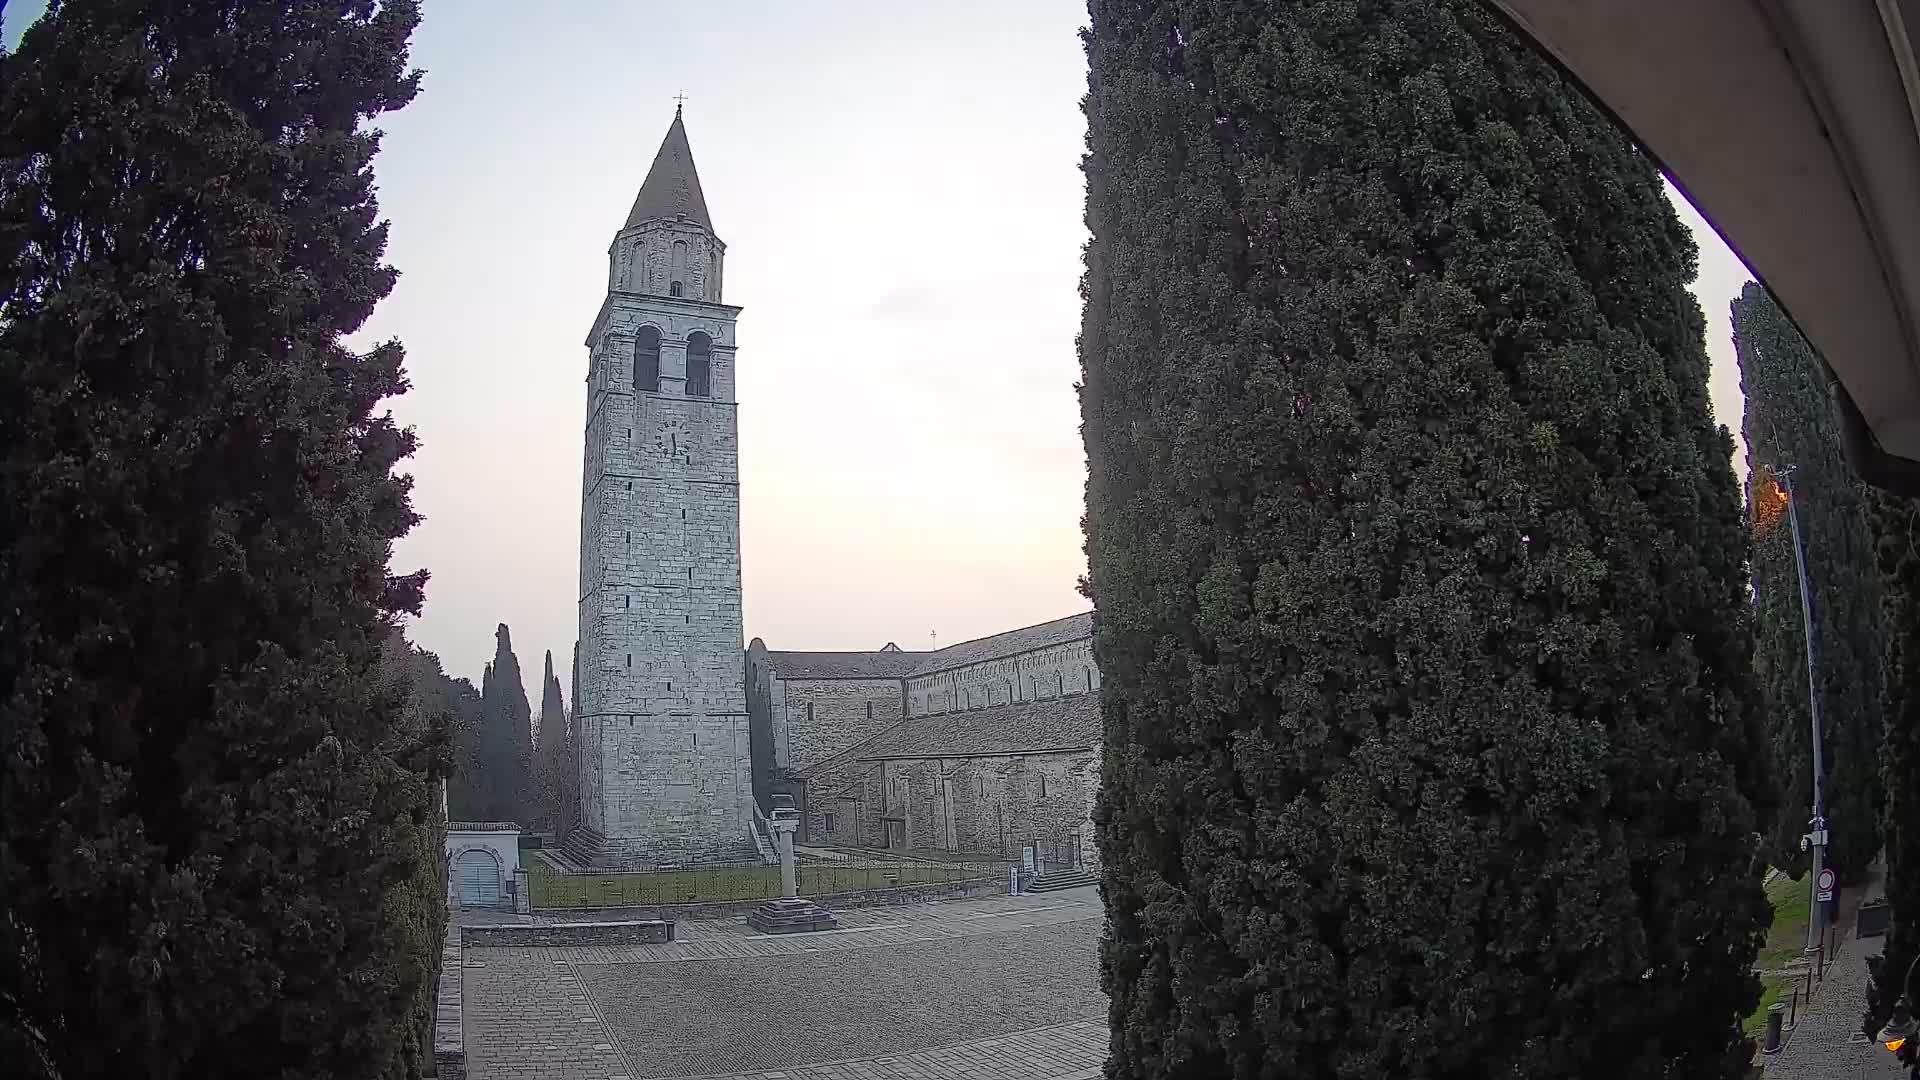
(660, 713)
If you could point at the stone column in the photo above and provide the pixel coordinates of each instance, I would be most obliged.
(788, 913)
(783, 830)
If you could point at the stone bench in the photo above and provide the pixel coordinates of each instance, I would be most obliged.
(535, 935)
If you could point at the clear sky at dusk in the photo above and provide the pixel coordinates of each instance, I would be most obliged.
(898, 186)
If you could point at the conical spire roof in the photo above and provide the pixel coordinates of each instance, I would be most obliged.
(672, 186)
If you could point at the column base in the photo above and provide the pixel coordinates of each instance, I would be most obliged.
(791, 915)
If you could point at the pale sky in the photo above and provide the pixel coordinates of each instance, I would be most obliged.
(898, 186)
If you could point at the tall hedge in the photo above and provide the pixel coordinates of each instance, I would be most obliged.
(1418, 563)
(1790, 421)
(216, 817)
(1896, 524)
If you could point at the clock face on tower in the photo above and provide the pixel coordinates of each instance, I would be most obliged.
(671, 441)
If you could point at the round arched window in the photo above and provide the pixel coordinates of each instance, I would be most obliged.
(646, 360)
(699, 365)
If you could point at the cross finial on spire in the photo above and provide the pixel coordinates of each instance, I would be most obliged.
(679, 99)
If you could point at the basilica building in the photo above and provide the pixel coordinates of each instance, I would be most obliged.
(988, 747)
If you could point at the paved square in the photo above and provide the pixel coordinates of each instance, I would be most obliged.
(1002, 988)
(717, 1016)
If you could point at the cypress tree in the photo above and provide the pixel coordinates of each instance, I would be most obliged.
(1790, 421)
(507, 736)
(1896, 525)
(551, 751)
(217, 810)
(1418, 562)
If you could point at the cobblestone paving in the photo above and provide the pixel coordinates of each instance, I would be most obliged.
(530, 1020)
(770, 1013)
(1065, 1052)
(1822, 1046)
(996, 989)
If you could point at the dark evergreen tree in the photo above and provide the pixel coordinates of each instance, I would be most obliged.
(1790, 421)
(550, 753)
(460, 702)
(1419, 563)
(217, 811)
(1896, 523)
(573, 745)
(506, 737)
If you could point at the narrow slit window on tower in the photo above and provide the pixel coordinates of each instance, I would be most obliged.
(1043, 786)
(629, 661)
(869, 710)
(809, 712)
(646, 360)
(626, 601)
(699, 365)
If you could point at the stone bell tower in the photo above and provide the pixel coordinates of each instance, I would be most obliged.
(660, 705)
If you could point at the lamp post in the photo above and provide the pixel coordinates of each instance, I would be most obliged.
(1815, 840)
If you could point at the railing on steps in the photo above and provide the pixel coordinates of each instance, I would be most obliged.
(763, 838)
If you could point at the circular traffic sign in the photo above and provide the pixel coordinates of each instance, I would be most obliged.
(1826, 879)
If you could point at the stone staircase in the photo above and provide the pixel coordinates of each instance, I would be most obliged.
(1055, 880)
(763, 839)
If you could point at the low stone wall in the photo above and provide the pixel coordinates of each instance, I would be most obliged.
(719, 909)
(535, 935)
(449, 1039)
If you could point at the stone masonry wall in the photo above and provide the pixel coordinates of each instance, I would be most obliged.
(1038, 674)
(661, 708)
(642, 260)
(979, 805)
(815, 719)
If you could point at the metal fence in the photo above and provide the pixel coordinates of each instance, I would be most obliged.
(845, 873)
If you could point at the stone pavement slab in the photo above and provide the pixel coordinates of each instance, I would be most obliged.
(1061, 1052)
(1822, 1045)
(868, 928)
(996, 988)
(785, 1012)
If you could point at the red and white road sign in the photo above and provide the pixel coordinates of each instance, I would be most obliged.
(1823, 884)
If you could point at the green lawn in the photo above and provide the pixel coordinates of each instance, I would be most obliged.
(551, 890)
(1772, 988)
(1787, 937)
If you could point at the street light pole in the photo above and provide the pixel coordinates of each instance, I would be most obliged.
(1816, 839)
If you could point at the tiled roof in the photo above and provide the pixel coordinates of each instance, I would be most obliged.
(1062, 723)
(843, 665)
(672, 186)
(1025, 639)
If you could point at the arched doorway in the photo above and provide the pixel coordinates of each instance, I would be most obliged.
(477, 877)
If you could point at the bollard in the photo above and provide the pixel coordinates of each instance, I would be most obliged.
(1776, 1013)
(1794, 1016)
(1820, 961)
